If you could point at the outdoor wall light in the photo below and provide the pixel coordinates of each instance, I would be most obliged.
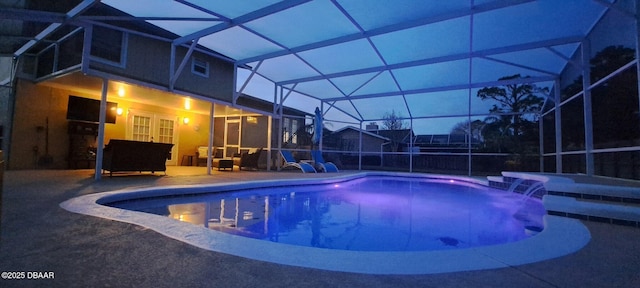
(119, 111)
(185, 120)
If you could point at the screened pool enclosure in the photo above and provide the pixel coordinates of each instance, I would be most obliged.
(470, 87)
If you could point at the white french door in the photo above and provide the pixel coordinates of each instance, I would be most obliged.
(152, 127)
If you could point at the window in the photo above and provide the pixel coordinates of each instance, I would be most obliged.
(141, 128)
(200, 67)
(166, 130)
(108, 44)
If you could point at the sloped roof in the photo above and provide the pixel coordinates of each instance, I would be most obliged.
(343, 129)
(444, 139)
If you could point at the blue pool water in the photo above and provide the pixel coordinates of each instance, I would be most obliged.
(373, 213)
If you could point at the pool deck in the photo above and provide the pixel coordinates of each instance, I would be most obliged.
(84, 251)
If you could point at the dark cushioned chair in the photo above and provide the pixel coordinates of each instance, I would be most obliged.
(250, 159)
(127, 155)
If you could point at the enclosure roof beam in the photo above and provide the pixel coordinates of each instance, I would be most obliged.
(527, 80)
(387, 29)
(460, 56)
(83, 6)
(241, 20)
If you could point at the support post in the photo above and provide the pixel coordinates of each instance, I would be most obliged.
(280, 122)
(103, 117)
(558, 124)
(588, 117)
(638, 53)
(211, 133)
(411, 145)
(360, 147)
(540, 142)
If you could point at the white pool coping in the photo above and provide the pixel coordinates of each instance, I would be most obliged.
(561, 236)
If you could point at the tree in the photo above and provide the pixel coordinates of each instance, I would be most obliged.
(510, 127)
(515, 99)
(391, 121)
(395, 129)
(473, 128)
(602, 64)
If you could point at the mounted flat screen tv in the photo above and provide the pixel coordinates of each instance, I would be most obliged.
(88, 110)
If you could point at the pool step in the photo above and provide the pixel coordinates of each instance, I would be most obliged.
(592, 202)
(625, 195)
(593, 210)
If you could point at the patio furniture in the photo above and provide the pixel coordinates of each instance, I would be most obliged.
(250, 158)
(188, 159)
(127, 155)
(319, 162)
(222, 163)
(201, 154)
(290, 161)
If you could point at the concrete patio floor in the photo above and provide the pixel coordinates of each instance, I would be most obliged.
(82, 251)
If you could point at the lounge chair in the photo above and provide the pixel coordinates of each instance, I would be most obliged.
(289, 161)
(323, 166)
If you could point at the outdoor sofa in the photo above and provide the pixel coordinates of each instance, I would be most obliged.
(127, 155)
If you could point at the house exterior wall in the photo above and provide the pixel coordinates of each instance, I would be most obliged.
(148, 60)
(219, 83)
(35, 103)
(144, 61)
(349, 140)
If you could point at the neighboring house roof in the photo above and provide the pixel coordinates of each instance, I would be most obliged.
(443, 140)
(406, 134)
(343, 129)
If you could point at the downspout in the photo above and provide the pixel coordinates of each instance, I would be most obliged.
(382, 153)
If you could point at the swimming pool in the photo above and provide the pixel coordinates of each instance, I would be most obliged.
(560, 236)
(371, 213)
